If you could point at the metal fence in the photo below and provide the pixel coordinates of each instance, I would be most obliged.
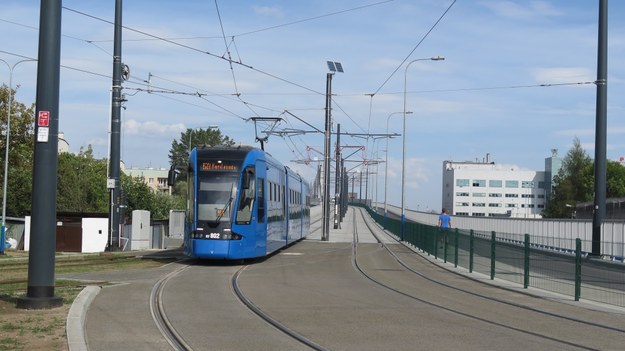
(557, 264)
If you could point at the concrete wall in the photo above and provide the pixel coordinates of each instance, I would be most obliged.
(94, 234)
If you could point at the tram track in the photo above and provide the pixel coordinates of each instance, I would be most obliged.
(383, 263)
(268, 318)
(178, 343)
(459, 312)
(159, 315)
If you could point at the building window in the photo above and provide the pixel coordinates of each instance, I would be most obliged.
(495, 205)
(527, 184)
(479, 214)
(495, 183)
(462, 194)
(479, 204)
(462, 182)
(462, 204)
(527, 196)
(512, 195)
(462, 213)
(542, 185)
(479, 194)
(479, 183)
(494, 195)
(512, 183)
(162, 182)
(511, 205)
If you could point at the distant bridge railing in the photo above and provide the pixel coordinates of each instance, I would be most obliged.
(557, 264)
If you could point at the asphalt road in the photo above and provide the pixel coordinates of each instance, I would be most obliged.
(344, 297)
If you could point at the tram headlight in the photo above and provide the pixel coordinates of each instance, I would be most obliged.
(230, 236)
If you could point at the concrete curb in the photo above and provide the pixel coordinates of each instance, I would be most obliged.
(75, 324)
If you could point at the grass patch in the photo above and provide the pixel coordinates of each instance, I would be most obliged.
(45, 329)
(11, 344)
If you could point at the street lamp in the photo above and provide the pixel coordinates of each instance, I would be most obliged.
(325, 230)
(403, 162)
(386, 162)
(6, 150)
(374, 191)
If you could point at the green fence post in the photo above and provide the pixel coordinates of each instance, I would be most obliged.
(445, 245)
(471, 249)
(436, 235)
(456, 248)
(526, 262)
(578, 268)
(492, 254)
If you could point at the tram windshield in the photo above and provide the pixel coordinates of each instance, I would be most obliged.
(215, 196)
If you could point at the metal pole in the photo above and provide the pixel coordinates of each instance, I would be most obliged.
(353, 184)
(386, 164)
(601, 129)
(375, 154)
(41, 259)
(403, 156)
(344, 197)
(403, 153)
(6, 151)
(114, 158)
(367, 186)
(360, 187)
(325, 234)
(337, 173)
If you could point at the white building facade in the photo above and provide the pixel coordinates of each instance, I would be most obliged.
(484, 189)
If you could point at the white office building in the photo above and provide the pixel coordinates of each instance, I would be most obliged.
(484, 189)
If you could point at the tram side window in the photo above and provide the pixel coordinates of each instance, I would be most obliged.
(246, 199)
(191, 199)
(261, 200)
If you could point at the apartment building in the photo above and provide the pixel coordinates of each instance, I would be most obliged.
(155, 178)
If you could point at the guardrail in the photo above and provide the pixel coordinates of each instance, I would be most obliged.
(523, 259)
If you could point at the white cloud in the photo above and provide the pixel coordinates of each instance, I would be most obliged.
(575, 132)
(524, 11)
(273, 11)
(134, 127)
(562, 75)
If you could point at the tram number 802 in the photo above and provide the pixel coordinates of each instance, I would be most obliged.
(214, 235)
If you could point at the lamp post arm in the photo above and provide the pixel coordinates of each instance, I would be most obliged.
(6, 149)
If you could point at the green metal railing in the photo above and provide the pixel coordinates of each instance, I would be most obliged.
(517, 259)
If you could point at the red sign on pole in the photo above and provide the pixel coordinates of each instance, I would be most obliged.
(44, 119)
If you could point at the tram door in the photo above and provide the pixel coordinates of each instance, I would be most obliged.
(261, 206)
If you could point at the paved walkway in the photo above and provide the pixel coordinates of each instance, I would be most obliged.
(128, 301)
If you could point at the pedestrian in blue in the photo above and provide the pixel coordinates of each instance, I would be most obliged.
(444, 220)
(444, 223)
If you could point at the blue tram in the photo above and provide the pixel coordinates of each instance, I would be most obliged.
(242, 204)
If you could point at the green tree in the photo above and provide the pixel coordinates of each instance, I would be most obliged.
(575, 183)
(21, 146)
(139, 196)
(137, 193)
(180, 149)
(81, 185)
(615, 179)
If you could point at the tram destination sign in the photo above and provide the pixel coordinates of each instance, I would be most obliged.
(218, 166)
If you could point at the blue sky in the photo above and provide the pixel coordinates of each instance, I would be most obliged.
(484, 98)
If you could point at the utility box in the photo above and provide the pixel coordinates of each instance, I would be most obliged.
(141, 230)
(176, 229)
